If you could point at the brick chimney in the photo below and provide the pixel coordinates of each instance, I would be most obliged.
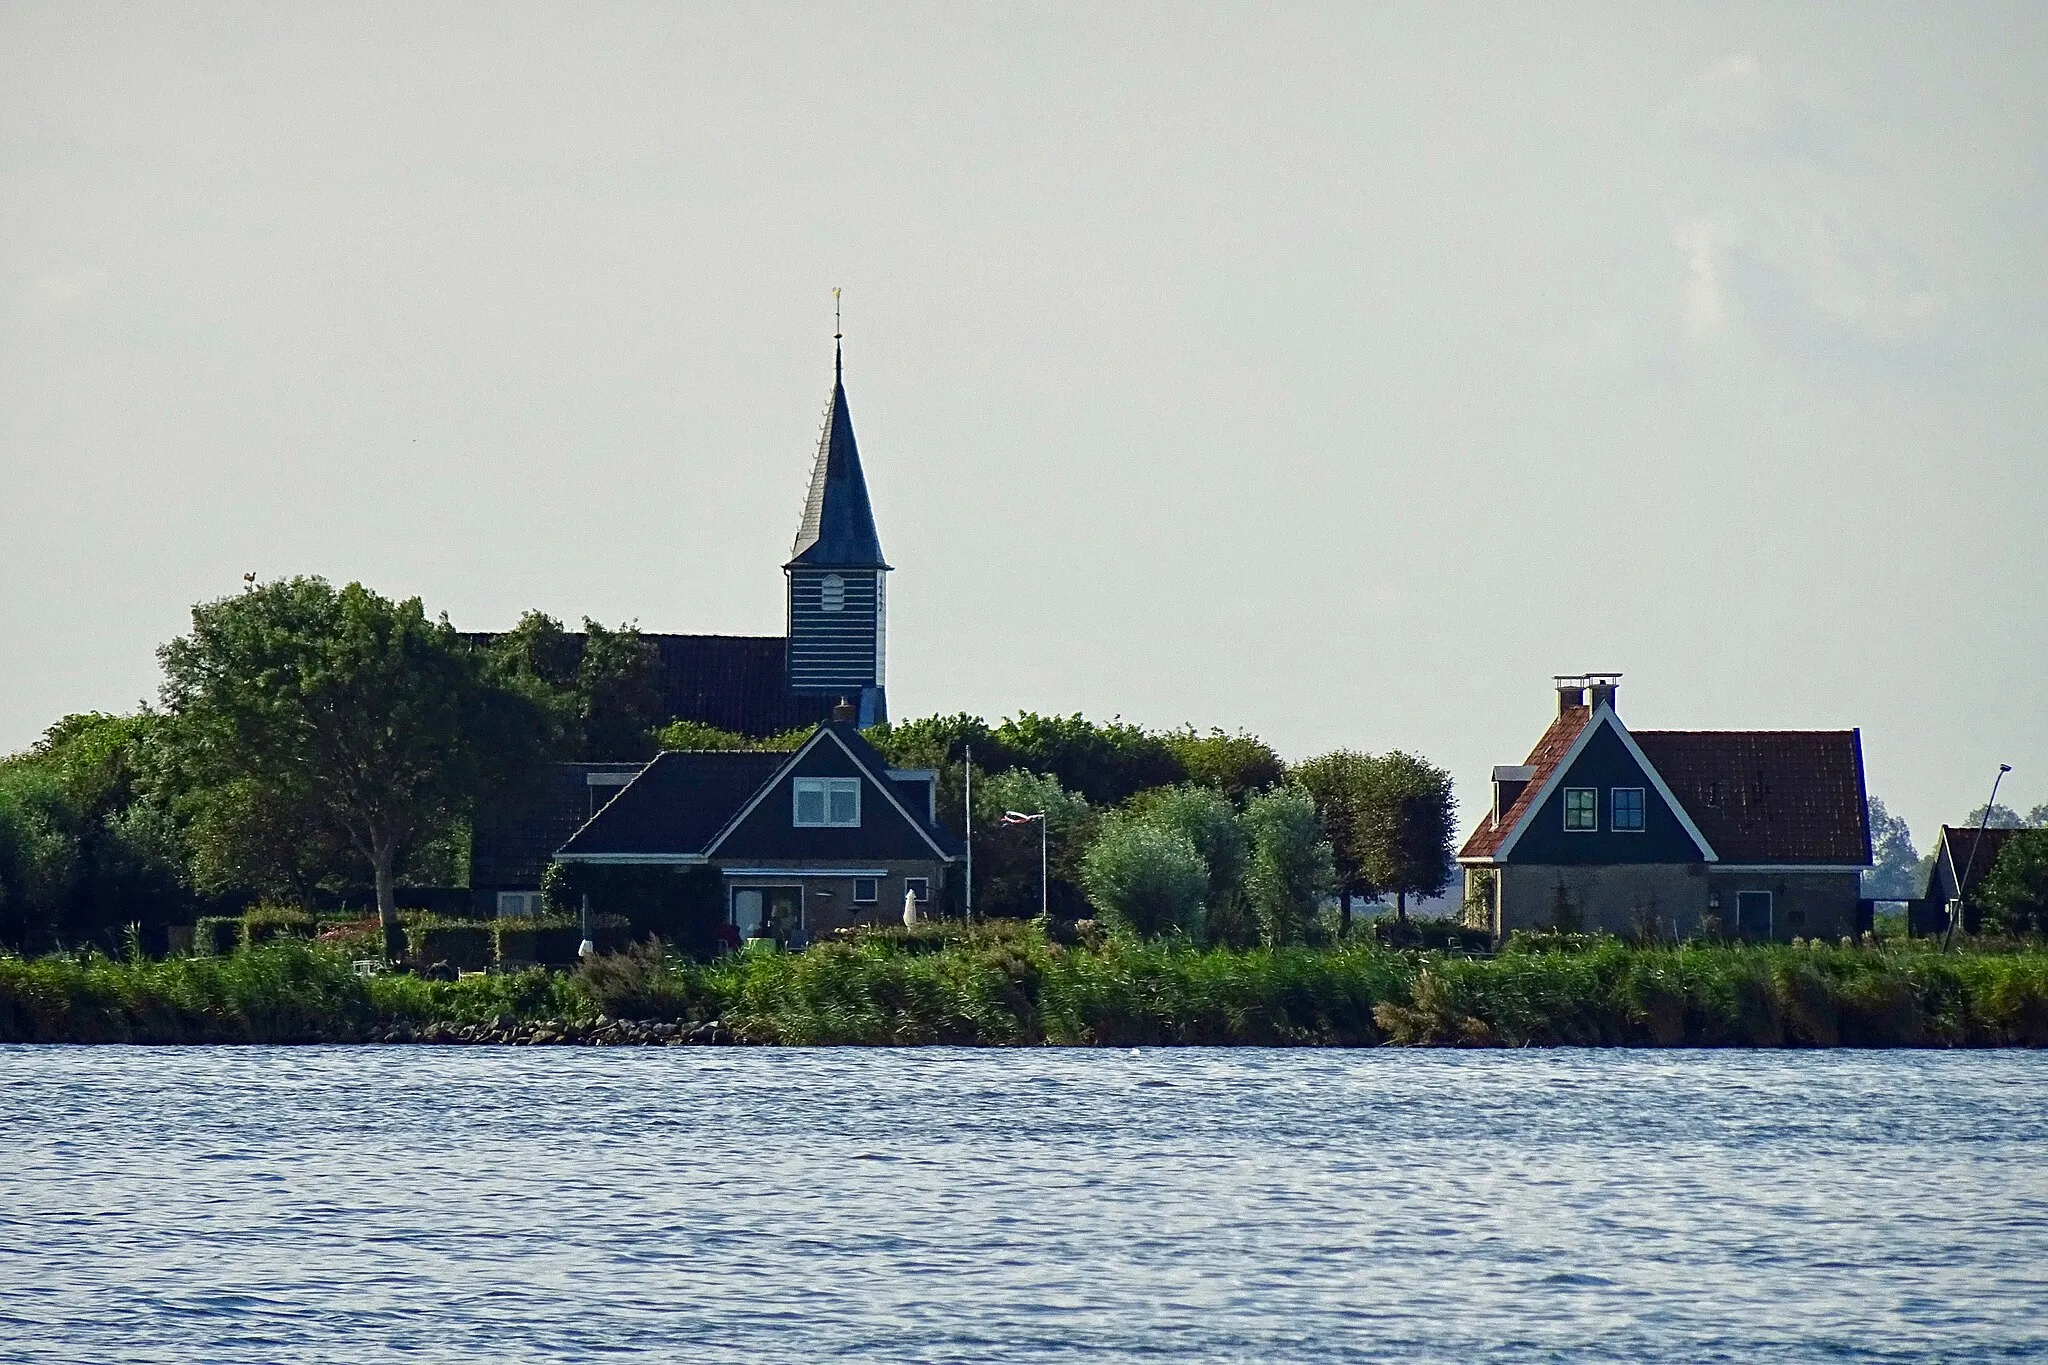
(1603, 686)
(843, 712)
(1571, 691)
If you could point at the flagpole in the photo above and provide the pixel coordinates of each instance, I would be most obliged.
(1044, 893)
(967, 801)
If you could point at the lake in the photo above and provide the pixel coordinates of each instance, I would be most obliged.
(473, 1204)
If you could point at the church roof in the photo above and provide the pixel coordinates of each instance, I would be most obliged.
(838, 529)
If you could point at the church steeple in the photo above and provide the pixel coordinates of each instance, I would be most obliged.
(837, 606)
(838, 529)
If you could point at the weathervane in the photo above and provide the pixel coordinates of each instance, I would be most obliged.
(835, 313)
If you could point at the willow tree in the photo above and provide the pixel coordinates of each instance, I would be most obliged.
(383, 724)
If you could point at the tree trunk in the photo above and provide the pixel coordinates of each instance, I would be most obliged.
(382, 857)
(1344, 913)
(1401, 906)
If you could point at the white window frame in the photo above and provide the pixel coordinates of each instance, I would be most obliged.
(824, 788)
(1642, 810)
(520, 904)
(911, 885)
(1593, 793)
(874, 889)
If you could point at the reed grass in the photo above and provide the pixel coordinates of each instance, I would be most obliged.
(1009, 985)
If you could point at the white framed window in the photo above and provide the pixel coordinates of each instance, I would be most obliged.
(1625, 809)
(827, 802)
(919, 887)
(518, 904)
(866, 890)
(832, 593)
(1581, 808)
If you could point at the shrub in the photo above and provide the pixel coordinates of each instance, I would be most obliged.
(216, 935)
(1292, 869)
(1147, 879)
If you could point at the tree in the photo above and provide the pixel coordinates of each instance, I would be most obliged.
(381, 721)
(1290, 870)
(2015, 894)
(1409, 823)
(1236, 765)
(1341, 784)
(601, 689)
(1207, 820)
(1108, 764)
(1895, 875)
(2038, 816)
(1006, 867)
(1147, 879)
(2002, 817)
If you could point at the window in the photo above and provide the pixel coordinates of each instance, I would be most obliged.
(518, 904)
(919, 887)
(828, 802)
(1627, 809)
(832, 593)
(866, 890)
(1582, 808)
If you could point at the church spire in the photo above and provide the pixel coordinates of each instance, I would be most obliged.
(838, 529)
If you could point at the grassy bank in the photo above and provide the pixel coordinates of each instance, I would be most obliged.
(1008, 986)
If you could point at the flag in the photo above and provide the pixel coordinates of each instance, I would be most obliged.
(1018, 817)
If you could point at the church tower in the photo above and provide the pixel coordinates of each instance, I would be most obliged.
(837, 616)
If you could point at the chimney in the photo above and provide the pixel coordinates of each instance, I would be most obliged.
(1571, 691)
(1604, 686)
(843, 712)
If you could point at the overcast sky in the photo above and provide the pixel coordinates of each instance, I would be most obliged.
(1340, 373)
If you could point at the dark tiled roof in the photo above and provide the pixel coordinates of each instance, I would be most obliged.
(677, 803)
(838, 529)
(1549, 750)
(510, 849)
(1768, 796)
(1957, 840)
(734, 682)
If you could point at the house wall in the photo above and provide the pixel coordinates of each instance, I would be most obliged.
(1604, 764)
(828, 901)
(1803, 904)
(1612, 899)
(770, 832)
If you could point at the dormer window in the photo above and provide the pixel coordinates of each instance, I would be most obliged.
(827, 803)
(832, 593)
(1582, 808)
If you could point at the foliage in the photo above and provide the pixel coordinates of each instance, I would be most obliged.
(1896, 863)
(2015, 894)
(2001, 817)
(1006, 868)
(1341, 784)
(1206, 819)
(1291, 869)
(600, 690)
(1236, 765)
(353, 706)
(1408, 824)
(1107, 763)
(1146, 877)
(695, 735)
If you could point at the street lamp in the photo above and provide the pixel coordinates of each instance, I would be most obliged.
(1018, 817)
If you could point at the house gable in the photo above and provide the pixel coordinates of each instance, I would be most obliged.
(1604, 760)
(766, 827)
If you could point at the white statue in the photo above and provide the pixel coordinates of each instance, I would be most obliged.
(910, 915)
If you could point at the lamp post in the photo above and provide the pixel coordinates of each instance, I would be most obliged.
(967, 809)
(1963, 883)
(1018, 817)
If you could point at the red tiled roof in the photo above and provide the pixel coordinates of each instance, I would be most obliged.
(1543, 758)
(1768, 796)
(1958, 840)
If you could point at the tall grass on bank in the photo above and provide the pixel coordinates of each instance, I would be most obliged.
(1008, 984)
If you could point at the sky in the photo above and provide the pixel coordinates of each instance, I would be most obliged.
(1339, 373)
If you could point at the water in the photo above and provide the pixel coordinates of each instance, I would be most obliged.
(371, 1204)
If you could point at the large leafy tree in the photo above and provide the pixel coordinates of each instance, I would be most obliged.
(1896, 863)
(2015, 895)
(1290, 870)
(601, 690)
(383, 723)
(1408, 825)
(1341, 784)
(1236, 765)
(1146, 878)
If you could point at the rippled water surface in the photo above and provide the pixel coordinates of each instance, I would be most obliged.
(372, 1204)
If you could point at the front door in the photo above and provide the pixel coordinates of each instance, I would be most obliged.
(1753, 914)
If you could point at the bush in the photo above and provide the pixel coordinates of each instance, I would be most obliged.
(1147, 879)
(216, 935)
(265, 923)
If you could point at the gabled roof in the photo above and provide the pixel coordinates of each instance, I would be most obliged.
(1543, 760)
(510, 849)
(1770, 796)
(864, 755)
(675, 806)
(1954, 846)
(838, 529)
